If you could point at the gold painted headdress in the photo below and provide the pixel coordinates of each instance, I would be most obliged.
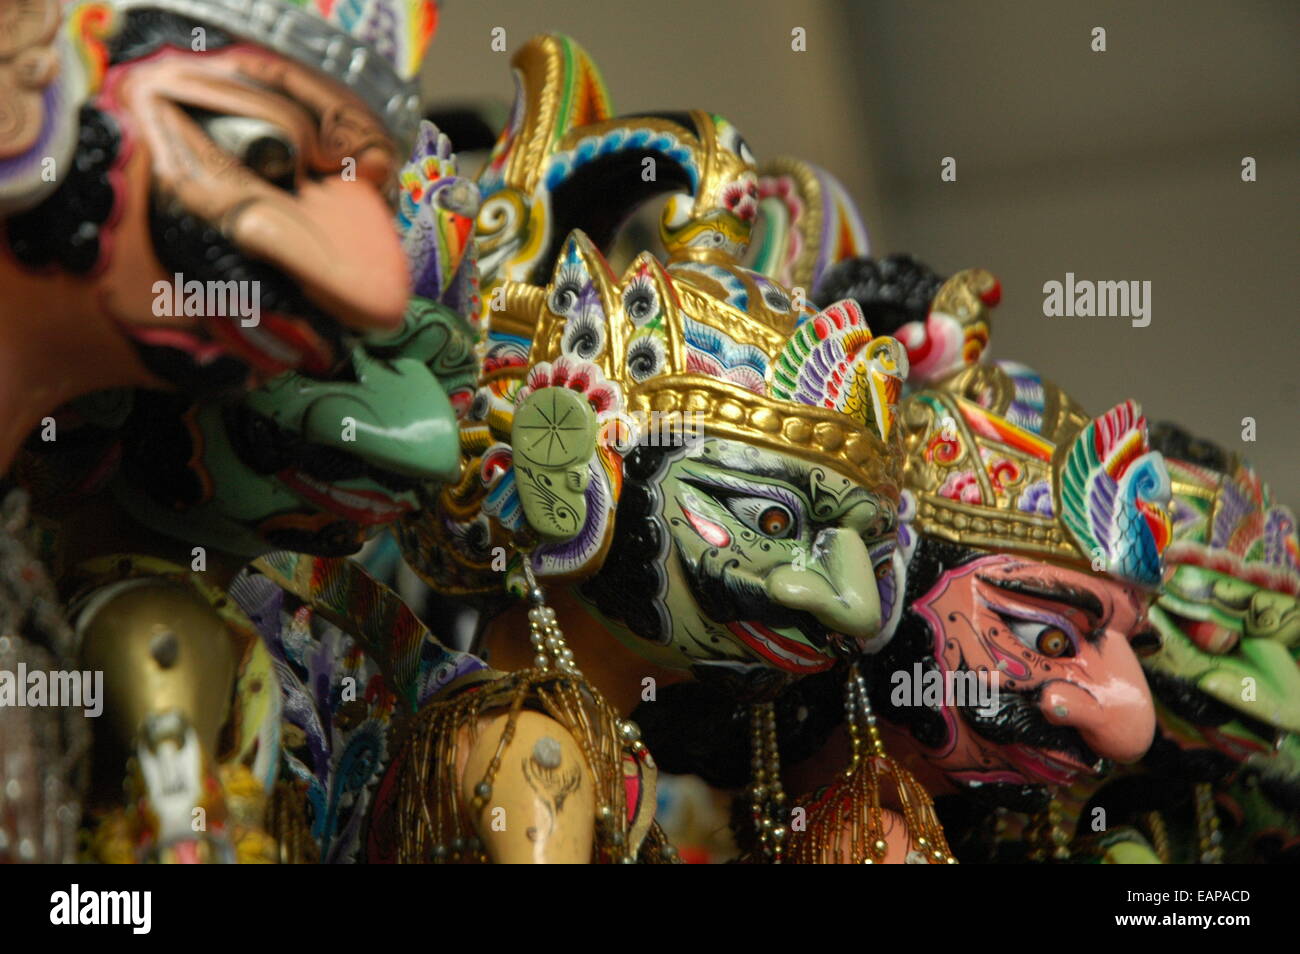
(717, 350)
(564, 161)
(997, 458)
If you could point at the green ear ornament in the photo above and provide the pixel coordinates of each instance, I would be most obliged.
(554, 440)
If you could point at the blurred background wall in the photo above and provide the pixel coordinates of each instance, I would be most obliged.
(1115, 165)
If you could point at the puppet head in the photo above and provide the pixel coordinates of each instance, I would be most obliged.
(1031, 538)
(716, 469)
(1226, 673)
(201, 195)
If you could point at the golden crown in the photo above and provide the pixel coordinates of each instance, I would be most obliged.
(718, 345)
(998, 458)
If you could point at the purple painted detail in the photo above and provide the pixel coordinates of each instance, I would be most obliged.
(16, 166)
(1037, 499)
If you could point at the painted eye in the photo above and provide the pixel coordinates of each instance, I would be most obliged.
(773, 298)
(1052, 641)
(775, 521)
(568, 291)
(1043, 638)
(266, 149)
(764, 515)
(882, 570)
(584, 334)
(564, 299)
(478, 409)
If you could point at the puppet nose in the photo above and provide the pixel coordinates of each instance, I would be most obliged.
(836, 585)
(365, 285)
(1109, 704)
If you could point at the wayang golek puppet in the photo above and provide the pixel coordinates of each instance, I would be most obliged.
(995, 454)
(202, 666)
(1220, 782)
(201, 486)
(157, 140)
(706, 573)
(704, 347)
(208, 140)
(1214, 650)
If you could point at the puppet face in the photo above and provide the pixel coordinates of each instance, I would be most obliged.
(762, 559)
(1227, 670)
(252, 224)
(309, 465)
(1053, 643)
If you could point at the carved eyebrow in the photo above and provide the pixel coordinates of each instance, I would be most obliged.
(721, 482)
(772, 469)
(1076, 597)
(798, 478)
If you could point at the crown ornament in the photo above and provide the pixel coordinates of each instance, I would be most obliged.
(730, 346)
(575, 371)
(564, 161)
(373, 47)
(1000, 459)
(1231, 523)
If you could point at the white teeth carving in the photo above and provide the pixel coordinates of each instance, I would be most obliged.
(268, 343)
(776, 650)
(350, 500)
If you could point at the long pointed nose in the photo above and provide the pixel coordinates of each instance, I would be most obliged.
(836, 585)
(365, 283)
(1109, 704)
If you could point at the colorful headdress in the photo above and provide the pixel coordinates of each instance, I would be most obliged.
(999, 459)
(717, 349)
(374, 47)
(563, 162)
(435, 216)
(956, 330)
(810, 222)
(1230, 523)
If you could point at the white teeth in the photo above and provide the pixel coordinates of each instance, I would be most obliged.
(268, 343)
(348, 499)
(785, 654)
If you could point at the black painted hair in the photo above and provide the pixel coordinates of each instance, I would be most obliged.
(145, 32)
(892, 291)
(64, 230)
(627, 584)
(1173, 441)
(913, 641)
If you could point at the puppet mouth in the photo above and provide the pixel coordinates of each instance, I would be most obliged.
(276, 344)
(364, 507)
(1243, 738)
(1056, 768)
(780, 651)
(1236, 747)
(290, 332)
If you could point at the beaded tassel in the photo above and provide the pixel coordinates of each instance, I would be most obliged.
(853, 805)
(766, 796)
(1208, 837)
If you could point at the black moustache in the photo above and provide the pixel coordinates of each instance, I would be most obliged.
(266, 448)
(185, 244)
(1168, 759)
(724, 598)
(1019, 720)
